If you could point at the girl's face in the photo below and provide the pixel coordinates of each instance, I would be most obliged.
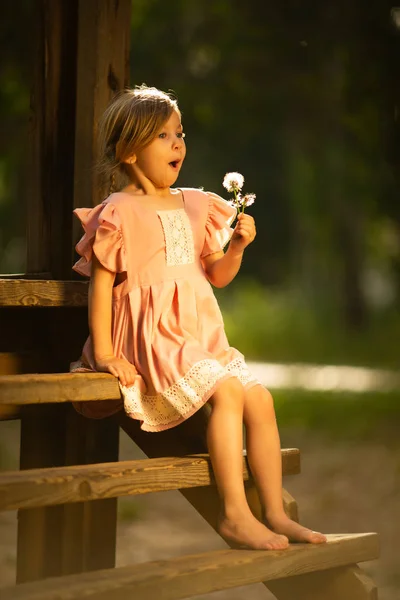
(161, 160)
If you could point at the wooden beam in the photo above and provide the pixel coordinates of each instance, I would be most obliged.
(341, 583)
(103, 70)
(53, 102)
(46, 487)
(197, 574)
(28, 292)
(57, 388)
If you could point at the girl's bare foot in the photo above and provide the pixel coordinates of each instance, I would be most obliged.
(296, 533)
(247, 532)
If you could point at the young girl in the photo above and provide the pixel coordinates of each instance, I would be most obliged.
(151, 252)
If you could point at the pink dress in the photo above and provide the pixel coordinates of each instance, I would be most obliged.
(165, 317)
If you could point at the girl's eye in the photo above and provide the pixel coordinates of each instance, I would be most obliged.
(180, 135)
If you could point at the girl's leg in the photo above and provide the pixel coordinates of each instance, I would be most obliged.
(237, 524)
(265, 461)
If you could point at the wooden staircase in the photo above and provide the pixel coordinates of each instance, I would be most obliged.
(178, 461)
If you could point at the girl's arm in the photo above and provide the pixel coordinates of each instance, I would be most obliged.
(100, 296)
(100, 324)
(221, 268)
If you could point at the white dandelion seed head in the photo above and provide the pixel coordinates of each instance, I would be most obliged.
(232, 203)
(248, 199)
(233, 182)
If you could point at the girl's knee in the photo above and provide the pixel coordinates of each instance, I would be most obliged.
(259, 404)
(267, 398)
(228, 391)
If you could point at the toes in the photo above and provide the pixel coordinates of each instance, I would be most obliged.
(318, 538)
(280, 543)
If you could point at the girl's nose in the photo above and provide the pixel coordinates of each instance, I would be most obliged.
(177, 143)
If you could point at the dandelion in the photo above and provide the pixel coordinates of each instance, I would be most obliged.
(248, 200)
(233, 182)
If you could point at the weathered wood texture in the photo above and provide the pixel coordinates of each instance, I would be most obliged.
(28, 292)
(40, 530)
(203, 573)
(57, 388)
(71, 538)
(53, 104)
(341, 583)
(46, 487)
(82, 59)
(102, 70)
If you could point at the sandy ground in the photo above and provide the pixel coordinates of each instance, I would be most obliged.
(344, 487)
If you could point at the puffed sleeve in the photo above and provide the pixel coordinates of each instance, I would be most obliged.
(218, 225)
(103, 237)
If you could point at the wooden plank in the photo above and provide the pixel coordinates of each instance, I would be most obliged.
(341, 583)
(45, 487)
(57, 388)
(203, 573)
(28, 292)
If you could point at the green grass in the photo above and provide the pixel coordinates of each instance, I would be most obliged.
(282, 326)
(341, 415)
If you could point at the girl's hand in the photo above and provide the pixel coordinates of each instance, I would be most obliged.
(244, 232)
(119, 367)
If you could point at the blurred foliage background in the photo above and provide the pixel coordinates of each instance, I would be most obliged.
(303, 99)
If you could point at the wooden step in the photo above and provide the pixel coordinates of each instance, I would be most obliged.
(44, 487)
(201, 573)
(57, 387)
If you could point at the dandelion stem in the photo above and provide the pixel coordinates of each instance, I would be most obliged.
(236, 200)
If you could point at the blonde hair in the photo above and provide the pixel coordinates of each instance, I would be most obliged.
(129, 124)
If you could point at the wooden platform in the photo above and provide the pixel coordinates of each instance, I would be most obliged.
(201, 573)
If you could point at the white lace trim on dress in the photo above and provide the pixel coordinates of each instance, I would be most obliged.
(179, 245)
(185, 396)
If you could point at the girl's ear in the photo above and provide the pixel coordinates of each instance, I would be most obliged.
(120, 150)
(130, 160)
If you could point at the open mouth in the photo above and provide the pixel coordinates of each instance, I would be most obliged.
(175, 164)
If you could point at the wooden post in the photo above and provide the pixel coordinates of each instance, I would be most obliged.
(49, 218)
(103, 70)
(82, 59)
(69, 538)
(40, 530)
